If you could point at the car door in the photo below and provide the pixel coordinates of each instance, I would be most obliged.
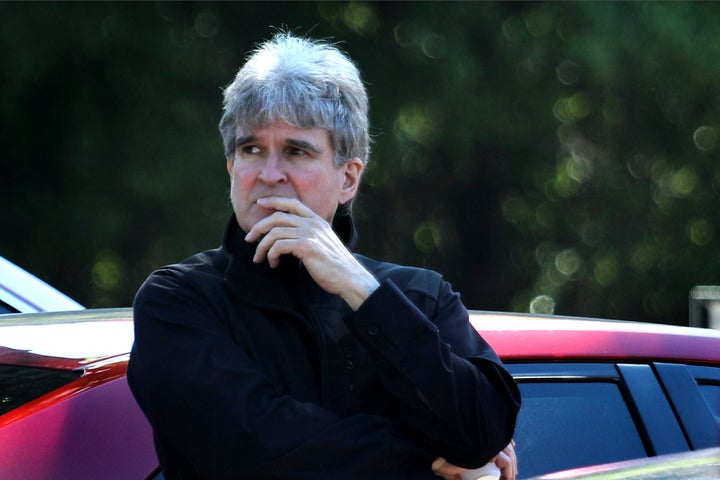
(581, 414)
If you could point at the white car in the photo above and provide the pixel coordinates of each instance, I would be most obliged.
(22, 292)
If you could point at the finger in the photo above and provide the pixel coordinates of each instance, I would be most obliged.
(267, 242)
(265, 225)
(507, 466)
(278, 249)
(448, 471)
(510, 452)
(437, 464)
(285, 204)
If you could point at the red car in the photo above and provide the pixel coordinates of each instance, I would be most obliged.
(596, 392)
(593, 392)
(65, 408)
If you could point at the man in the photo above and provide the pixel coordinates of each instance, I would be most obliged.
(283, 355)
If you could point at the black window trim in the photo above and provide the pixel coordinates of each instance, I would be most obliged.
(680, 383)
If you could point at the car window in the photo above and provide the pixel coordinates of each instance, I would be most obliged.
(708, 379)
(574, 415)
(573, 424)
(19, 385)
(712, 396)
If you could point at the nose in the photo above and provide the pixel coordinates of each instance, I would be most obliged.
(272, 170)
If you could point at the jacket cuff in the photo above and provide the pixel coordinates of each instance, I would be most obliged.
(389, 322)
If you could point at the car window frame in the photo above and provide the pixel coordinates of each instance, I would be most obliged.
(682, 384)
(650, 406)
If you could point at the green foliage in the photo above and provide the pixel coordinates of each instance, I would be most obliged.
(544, 156)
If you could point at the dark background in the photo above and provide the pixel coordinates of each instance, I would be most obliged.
(544, 156)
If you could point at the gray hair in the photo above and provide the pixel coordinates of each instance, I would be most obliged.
(306, 83)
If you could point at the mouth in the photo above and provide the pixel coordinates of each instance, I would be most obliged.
(255, 202)
(265, 209)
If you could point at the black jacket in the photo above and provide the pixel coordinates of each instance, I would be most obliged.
(250, 372)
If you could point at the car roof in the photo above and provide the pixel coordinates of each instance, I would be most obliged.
(25, 292)
(71, 340)
(66, 340)
(516, 336)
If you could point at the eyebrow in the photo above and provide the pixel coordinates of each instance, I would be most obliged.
(290, 141)
(244, 139)
(303, 145)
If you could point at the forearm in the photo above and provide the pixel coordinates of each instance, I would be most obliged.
(459, 398)
(208, 402)
(284, 439)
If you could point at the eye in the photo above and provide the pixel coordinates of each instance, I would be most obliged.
(296, 151)
(249, 149)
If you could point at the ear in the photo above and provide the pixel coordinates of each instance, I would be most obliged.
(229, 165)
(352, 172)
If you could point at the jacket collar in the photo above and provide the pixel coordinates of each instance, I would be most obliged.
(264, 286)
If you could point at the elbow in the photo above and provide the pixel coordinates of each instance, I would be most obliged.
(501, 422)
(493, 432)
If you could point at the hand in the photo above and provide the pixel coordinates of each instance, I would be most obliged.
(295, 229)
(506, 461)
(446, 470)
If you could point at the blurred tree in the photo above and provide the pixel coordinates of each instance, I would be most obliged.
(551, 157)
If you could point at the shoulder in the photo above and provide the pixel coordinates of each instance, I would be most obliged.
(201, 272)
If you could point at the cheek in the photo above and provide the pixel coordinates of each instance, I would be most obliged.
(320, 193)
(241, 181)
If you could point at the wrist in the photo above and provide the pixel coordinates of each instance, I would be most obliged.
(360, 290)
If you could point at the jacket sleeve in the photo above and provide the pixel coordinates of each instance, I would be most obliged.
(215, 414)
(450, 384)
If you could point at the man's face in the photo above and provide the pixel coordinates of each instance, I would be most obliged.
(286, 161)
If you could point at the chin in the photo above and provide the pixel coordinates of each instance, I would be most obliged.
(250, 219)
